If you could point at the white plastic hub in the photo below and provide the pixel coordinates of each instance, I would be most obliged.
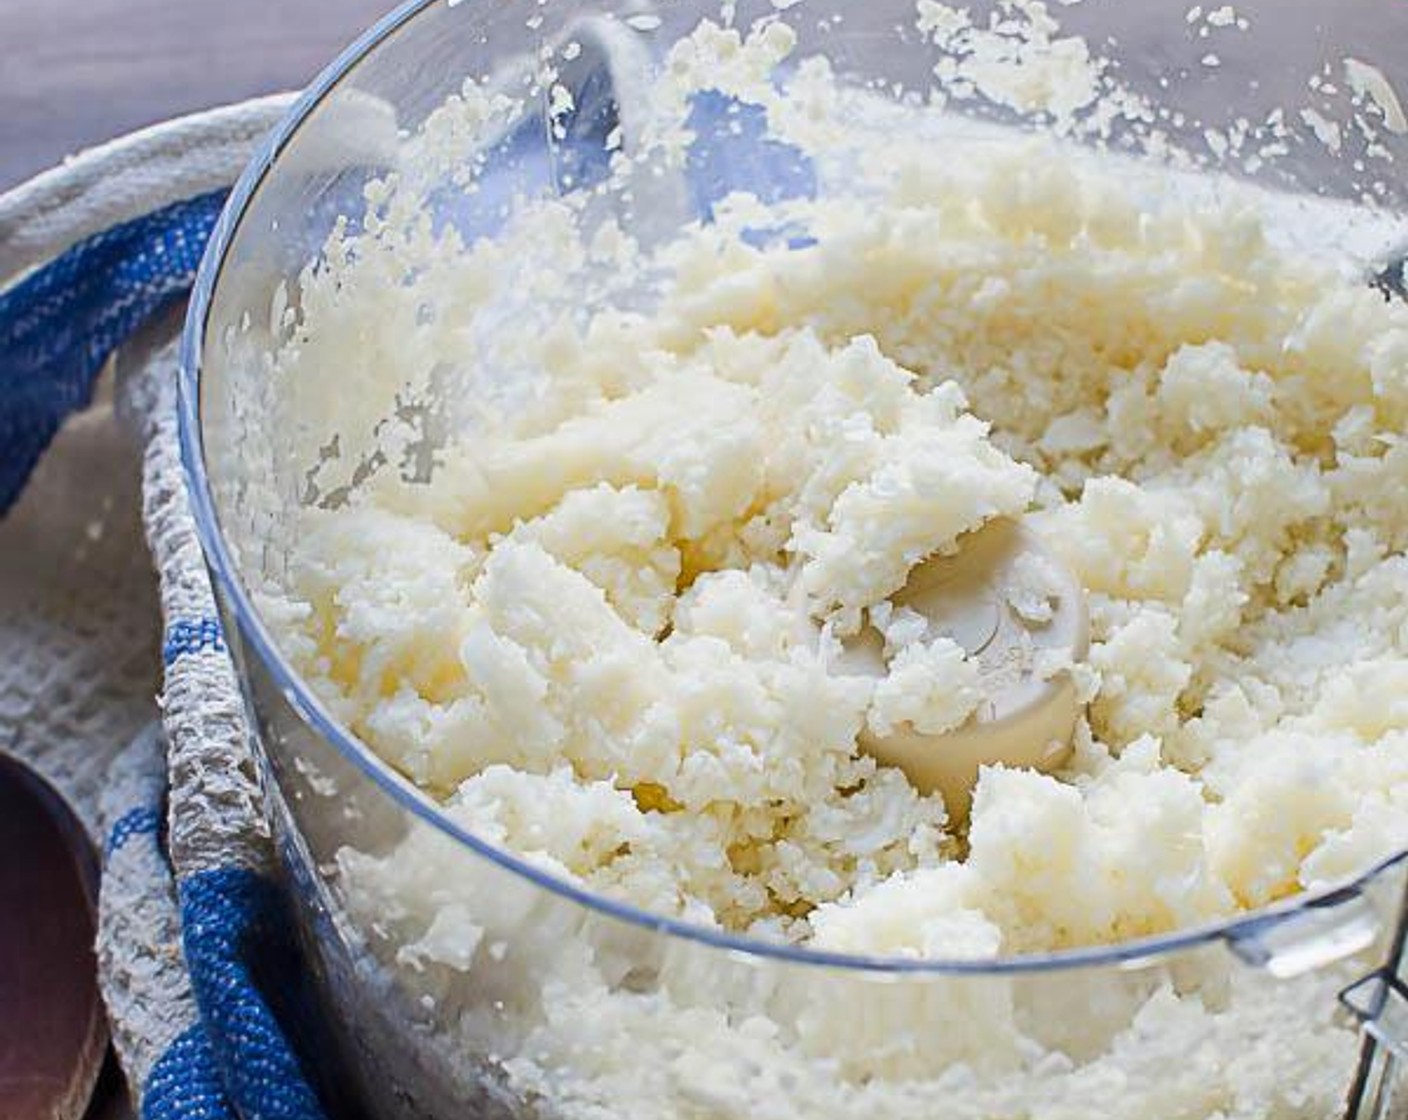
(1019, 613)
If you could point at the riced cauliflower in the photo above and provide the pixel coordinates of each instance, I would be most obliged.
(633, 585)
(599, 616)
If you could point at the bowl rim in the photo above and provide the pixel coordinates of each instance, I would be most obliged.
(1243, 930)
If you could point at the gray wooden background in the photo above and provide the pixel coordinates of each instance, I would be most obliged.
(77, 72)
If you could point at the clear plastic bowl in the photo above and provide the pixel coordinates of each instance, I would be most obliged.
(689, 1021)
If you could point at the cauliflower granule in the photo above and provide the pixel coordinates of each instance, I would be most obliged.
(639, 578)
(603, 625)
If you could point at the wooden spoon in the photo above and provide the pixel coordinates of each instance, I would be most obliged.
(53, 1035)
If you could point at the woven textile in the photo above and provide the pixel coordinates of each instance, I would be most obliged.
(193, 932)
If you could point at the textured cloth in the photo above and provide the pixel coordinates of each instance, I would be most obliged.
(193, 931)
(129, 177)
(76, 587)
(59, 324)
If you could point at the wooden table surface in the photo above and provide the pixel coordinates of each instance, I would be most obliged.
(76, 72)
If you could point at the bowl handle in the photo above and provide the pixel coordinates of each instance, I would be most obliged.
(1380, 1002)
(1330, 929)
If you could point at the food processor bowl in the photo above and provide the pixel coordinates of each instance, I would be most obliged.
(541, 999)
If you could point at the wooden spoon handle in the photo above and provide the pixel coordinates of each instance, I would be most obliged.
(53, 1034)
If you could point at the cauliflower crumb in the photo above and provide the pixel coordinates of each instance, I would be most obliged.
(931, 686)
(632, 586)
(603, 628)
